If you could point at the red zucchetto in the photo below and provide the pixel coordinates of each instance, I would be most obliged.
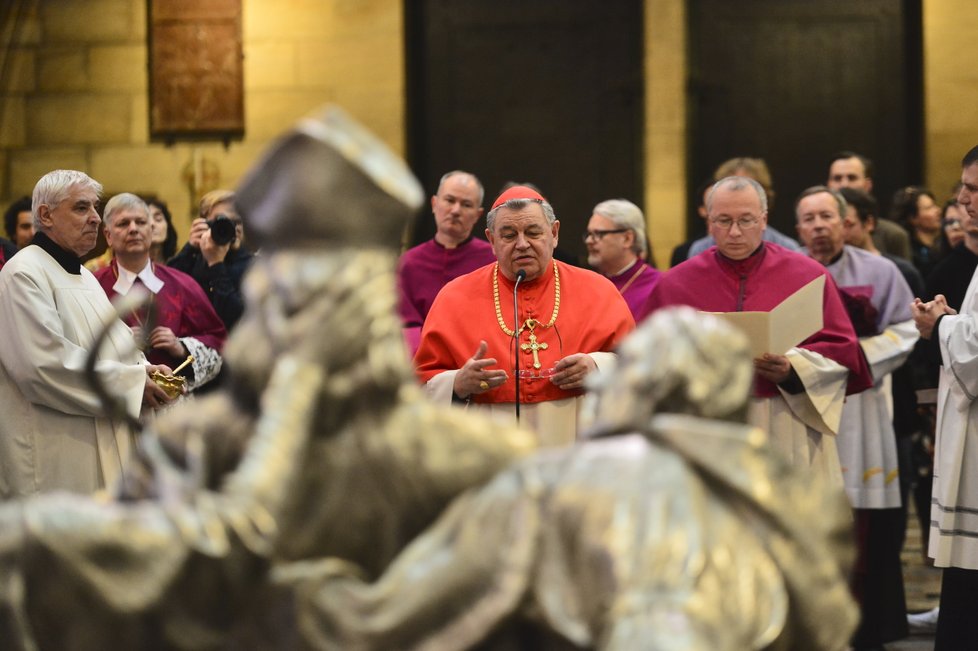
(517, 192)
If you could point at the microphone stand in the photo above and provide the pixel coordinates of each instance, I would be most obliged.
(520, 275)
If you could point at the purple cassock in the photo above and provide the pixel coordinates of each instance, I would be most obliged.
(714, 283)
(635, 284)
(424, 270)
(181, 305)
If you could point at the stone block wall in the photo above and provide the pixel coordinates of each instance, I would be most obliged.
(74, 91)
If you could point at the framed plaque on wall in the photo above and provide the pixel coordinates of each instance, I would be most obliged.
(196, 62)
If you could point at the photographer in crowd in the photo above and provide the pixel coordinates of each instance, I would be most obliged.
(215, 256)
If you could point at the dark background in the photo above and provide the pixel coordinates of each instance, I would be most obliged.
(551, 91)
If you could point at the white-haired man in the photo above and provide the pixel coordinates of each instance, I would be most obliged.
(53, 433)
(616, 248)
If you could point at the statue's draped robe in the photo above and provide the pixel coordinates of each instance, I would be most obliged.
(692, 536)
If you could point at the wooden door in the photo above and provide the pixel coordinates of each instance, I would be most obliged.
(794, 81)
(547, 91)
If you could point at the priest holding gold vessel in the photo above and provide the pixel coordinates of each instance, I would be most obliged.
(53, 434)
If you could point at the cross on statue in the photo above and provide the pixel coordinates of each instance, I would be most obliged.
(533, 347)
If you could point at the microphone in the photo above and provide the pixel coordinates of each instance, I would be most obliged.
(520, 277)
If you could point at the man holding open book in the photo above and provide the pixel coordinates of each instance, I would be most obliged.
(799, 392)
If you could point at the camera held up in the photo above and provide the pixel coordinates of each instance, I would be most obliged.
(222, 230)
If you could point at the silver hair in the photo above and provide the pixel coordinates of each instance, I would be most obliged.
(53, 188)
(735, 183)
(625, 214)
(478, 183)
(520, 204)
(124, 201)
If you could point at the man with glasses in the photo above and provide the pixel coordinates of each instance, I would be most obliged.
(423, 270)
(617, 247)
(217, 265)
(799, 393)
(475, 350)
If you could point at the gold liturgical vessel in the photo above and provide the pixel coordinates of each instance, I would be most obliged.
(172, 384)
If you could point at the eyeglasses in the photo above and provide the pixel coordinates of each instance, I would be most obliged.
(744, 223)
(600, 234)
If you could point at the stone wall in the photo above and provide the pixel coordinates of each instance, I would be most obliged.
(75, 90)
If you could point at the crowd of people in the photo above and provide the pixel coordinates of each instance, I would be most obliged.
(505, 327)
(76, 371)
(849, 403)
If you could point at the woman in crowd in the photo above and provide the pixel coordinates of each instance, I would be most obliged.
(915, 208)
(164, 244)
(953, 224)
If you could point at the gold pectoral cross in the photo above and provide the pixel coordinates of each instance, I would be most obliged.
(533, 346)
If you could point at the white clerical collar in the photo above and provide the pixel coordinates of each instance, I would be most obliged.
(126, 279)
(625, 268)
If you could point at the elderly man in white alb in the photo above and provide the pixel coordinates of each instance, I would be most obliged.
(53, 431)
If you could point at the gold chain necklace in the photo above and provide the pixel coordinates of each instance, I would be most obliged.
(529, 323)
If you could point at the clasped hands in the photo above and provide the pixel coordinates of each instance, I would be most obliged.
(925, 315)
(475, 376)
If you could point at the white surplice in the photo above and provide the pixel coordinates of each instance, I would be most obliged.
(802, 426)
(53, 435)
(867, 443)
(954, 505)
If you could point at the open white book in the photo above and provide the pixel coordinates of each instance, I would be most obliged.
(795, 319)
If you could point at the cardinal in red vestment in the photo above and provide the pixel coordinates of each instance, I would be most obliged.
(567, 323)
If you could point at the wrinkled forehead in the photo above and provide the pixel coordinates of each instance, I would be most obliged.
(521, 218)
(818, 202)
(730, 201)
(79, 192)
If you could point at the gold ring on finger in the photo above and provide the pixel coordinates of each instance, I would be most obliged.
(484, 385)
